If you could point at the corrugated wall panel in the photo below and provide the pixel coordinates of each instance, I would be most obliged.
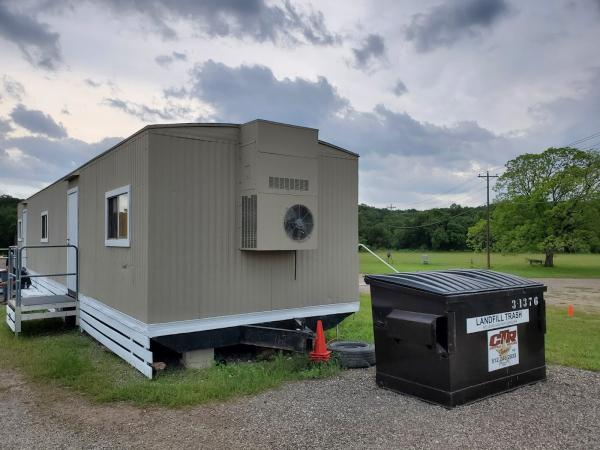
(51, 260)
(196, 269)
(116, 276)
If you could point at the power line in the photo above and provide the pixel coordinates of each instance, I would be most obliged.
(587, 138)
(467, 210)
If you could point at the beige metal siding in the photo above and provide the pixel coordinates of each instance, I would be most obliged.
(50, 260)
(116, 276)
(196, 269)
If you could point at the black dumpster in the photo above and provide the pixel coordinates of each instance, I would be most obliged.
(455, 336)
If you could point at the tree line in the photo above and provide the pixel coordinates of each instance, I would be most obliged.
(8, 220)
(433, 229)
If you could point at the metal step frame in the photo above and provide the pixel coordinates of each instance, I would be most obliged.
(52, 304)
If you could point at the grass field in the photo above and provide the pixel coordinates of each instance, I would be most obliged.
(50, 355)
(566, 266)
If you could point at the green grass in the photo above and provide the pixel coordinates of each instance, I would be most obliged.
(52, 356)
(566, 266)
(47, 354)
(570, 341)
(573, 341)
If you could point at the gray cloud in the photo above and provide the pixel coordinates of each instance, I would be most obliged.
(400, 88)
(40, 159)
(562, 119)
(238, 94)
(5, 126)
(175, 92)
(37, 122)
(249, 92)
(37, 43)
(179, 56)
(167, 60)
(92, 83)
(149, 114)
(371, 49)
(448, 22)
(12, 88)
(44, 160)
(281, 23)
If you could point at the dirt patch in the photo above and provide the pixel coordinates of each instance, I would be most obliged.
(582, 293)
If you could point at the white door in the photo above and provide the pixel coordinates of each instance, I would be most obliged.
(24, 238)
(72, 235)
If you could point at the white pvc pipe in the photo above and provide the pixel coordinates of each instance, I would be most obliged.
(378, 257)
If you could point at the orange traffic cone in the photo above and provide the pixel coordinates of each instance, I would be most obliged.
(570, 311)
(320, 352)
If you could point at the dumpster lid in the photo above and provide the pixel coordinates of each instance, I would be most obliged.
(452, 282)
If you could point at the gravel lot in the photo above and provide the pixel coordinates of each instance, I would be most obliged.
(344, 412)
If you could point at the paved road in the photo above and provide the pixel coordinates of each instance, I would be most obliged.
(348, 411)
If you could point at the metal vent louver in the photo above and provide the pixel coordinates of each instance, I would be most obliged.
(249, 221)
(288, 184)
(298, 222)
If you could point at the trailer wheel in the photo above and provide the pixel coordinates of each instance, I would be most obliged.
(353, 354)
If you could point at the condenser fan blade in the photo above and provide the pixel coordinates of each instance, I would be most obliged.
(298, 222)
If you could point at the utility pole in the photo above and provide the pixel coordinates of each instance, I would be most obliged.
(487, 176)
(391, 207)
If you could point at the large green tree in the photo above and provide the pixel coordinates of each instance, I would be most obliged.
(8, 220)
(549, 202)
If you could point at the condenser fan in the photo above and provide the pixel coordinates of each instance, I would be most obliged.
(298, 222)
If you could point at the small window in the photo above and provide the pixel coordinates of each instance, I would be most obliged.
(117, 217)
(19, 230)
(44, 223)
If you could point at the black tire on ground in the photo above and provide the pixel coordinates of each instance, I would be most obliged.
(353, 354)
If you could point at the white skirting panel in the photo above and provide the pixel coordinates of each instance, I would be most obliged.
(10, 321)
(96, 320)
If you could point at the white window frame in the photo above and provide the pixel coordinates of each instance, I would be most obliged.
(117, 242)
(20, 230)
(42, 238)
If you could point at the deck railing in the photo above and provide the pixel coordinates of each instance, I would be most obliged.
(15, 267)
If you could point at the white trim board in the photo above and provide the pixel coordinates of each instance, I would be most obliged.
(234, 320)
(42, 238)
(118, 242)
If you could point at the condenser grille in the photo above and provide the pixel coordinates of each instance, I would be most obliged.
(288, 184)
(249, 221)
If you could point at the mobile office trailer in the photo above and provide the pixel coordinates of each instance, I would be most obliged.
(188, 232)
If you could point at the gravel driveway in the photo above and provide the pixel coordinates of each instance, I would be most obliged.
(348, 411)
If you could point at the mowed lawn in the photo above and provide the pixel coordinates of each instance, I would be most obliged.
(566, 266)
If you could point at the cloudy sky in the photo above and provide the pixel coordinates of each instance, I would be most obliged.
(430, 93)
